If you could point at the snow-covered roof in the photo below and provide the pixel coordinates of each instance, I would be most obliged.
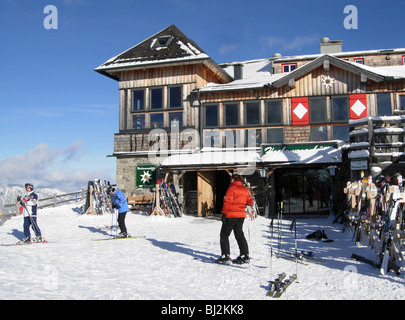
(165, 47)
(257, 73)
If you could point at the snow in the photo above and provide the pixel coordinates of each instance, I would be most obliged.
(166, 264)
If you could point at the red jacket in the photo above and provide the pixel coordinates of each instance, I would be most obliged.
(235, 200)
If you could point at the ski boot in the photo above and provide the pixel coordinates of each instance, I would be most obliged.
(40, 239)
(224, 259)
(123, 235)
(242, 259)
(26, 240)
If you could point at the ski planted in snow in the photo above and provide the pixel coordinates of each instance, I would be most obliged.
(274, 285)
(284, 285)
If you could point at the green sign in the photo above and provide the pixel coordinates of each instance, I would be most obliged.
(145, 175)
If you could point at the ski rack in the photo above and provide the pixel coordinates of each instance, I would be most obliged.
(376, 219)
(165, 202)
(98, 201)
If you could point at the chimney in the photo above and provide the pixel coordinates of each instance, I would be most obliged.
(330, 46)
(237, 71)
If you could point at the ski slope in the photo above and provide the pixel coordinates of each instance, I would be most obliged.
(168, 262)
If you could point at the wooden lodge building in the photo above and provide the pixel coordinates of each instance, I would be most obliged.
(284, 122)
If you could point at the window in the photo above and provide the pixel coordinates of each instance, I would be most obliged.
(138, 121)
(319, 133)
(175, 97)
(403, 60)
(402, 102)
(212, 138)
(231, 114)
(176, 116)
(211, 116)
(156, 98)
(340, 109)
(358, 60)
(340, 133)
(233, 139)
(162, 42)
(317, 110)
(288, 67)
(252, 113)
(274, 112)
(384, 104)
(156, 120)
(275, 135)
(138, 97)
(253, 137)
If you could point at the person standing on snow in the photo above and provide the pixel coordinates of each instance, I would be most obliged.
(30, 206)
(236, 199)
(120, 202)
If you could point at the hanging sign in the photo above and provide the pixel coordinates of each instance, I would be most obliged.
(145, 175)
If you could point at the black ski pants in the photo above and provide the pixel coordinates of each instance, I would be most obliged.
(235, 225)
(121, 222)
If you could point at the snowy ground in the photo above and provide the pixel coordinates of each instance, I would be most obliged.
(167, 263)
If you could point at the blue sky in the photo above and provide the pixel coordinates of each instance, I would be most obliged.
(58, 116)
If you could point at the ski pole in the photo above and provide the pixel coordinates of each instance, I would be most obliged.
(271, 249)
(34, 225)
(294, 225)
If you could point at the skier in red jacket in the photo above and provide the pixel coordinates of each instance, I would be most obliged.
(233, 216)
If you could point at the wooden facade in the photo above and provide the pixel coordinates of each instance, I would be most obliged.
(322, 77)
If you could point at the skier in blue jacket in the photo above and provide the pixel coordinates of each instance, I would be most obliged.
(120, 202)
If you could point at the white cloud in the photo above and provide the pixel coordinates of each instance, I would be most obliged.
(227, 48)
(47, 167)
(297, 43)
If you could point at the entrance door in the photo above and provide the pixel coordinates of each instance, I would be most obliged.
(206, 193)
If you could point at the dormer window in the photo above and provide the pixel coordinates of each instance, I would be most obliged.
(162, 42)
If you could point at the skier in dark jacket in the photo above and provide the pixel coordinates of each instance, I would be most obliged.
(120, 202)
(29, 203)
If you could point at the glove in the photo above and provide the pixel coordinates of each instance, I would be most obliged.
(223, 218)
(18, 198)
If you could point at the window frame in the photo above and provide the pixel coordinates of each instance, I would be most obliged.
(225, 106)
(169, 96)
(377, 95)
(211, 105)
(133, 100)
(332, 108)
(310, 107)
(267, 112)
(245, 107)
(289, 65)
(151, 107)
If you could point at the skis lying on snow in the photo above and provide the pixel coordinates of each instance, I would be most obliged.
(275, 284)
(284, 285)
(131, 237)
(22, 243)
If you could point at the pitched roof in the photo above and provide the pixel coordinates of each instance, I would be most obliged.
(262, 77)
(165, 47)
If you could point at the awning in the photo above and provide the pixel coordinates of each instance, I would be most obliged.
(213, 157)
(320, 155)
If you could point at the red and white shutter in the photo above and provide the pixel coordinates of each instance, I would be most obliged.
(358, 106)
(300, 110)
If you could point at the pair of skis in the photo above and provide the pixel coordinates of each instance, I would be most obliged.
(279, 285)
